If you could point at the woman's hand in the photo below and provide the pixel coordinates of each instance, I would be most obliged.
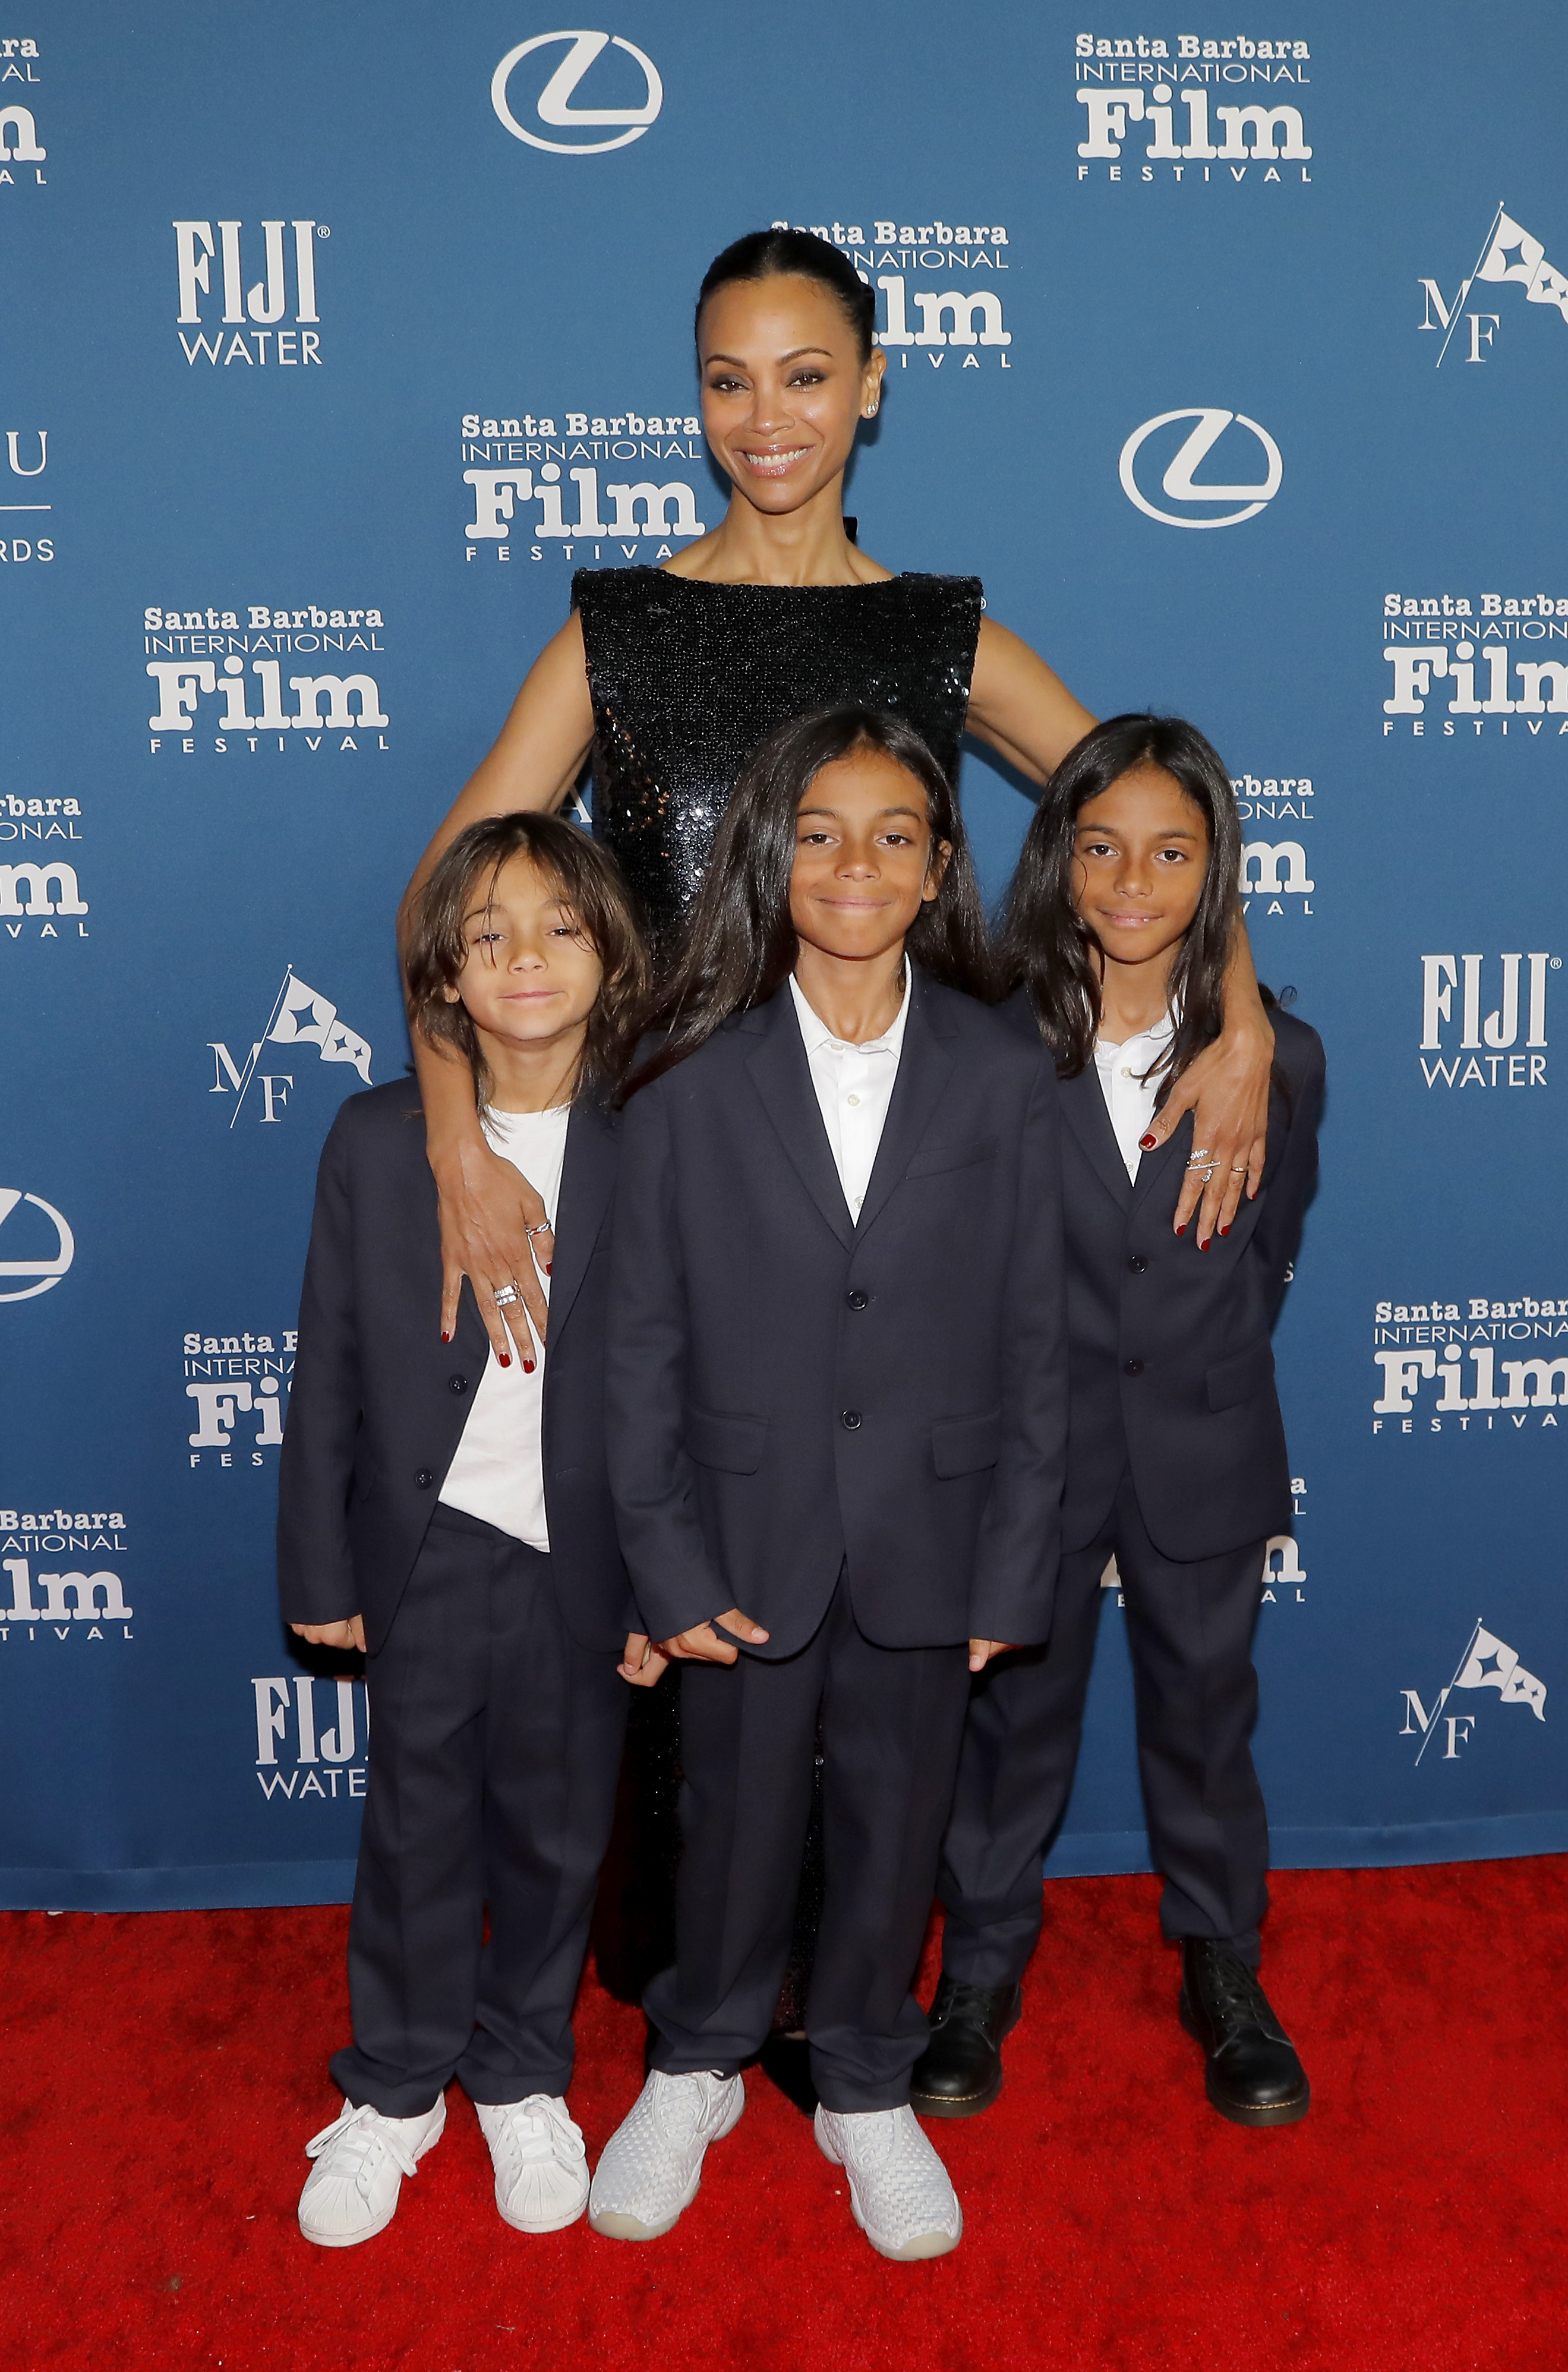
(1226, 1090)
(982, 1650)
(642, 1664)
(704, 1644)
(493, 1231)
(349, 1635)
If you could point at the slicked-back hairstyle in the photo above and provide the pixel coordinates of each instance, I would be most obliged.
(768, 254)
(1044, 948)
(740, 944)
(595, 895)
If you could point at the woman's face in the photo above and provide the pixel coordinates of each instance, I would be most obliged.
(1140, 858)
(783, 388)
(863, 860)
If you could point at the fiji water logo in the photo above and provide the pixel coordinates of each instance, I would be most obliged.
(251, 326)
(1505, 1047)
(311, 1737)
(1487, 1663)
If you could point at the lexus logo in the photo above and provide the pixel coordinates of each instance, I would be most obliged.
(553, 105)
(1178, 483)
(45, 1274)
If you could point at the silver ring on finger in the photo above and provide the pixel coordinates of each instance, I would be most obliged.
(506, 1297)
(544, 1228)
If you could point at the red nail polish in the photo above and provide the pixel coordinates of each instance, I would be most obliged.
(1182, 1229)
(504, 1358)
(527, 1366)
(1204, 1245)
(1224, 1231)
(548, 1266)
(446, 1338)
(1147, 1143)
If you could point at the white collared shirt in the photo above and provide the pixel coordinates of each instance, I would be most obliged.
(497, 1473)
(1128, 1099)
(854, 1087)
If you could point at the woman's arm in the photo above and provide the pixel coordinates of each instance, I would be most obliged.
(1227, 1091)
(1027, 714)
(487, 1209)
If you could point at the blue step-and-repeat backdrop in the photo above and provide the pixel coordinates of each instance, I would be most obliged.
(1229, 347)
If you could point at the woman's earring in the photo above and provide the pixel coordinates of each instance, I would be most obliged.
(872, 410)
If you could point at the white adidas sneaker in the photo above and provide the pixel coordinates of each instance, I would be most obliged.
(898, 2190)
(541, 2172)
(351, 2193)
(652, 2162)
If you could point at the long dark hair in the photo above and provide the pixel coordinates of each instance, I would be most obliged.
(740, 944)
(1043, 946)
(599, 902)
(766, 254)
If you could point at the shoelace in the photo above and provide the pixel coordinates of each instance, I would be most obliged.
(1236, 1996)
(955, 1999)
(681, 2095)
(539, 2127)
(351, 2141)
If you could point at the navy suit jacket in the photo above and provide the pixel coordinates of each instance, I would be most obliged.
(791, 1394)
(1172, 1367)
(378, 1401)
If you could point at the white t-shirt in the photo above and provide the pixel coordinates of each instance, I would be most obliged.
(1128, 1099)
(498, 1472)
(854, 1087)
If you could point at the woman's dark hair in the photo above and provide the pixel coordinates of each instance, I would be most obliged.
(740, 944)
(1043, 946)
(768, 254)
(593, 893)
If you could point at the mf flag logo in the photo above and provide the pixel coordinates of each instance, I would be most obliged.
(1487, 1663)
(1507, 253)
(301, 1016)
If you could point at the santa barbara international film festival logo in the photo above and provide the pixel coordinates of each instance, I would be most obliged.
(311, 1737)
(1183, 109)
(1174, 495)
(533, 90)
(53, 1599)
(202, 662)
(1508, 254)
(584, 485)
(939, 326)
(1488, 1662)
(22, 153)
(1444, 1365)
(301, 1017)
(272, 324)
(237, 1388)
(1274, 875)
(1470, 664)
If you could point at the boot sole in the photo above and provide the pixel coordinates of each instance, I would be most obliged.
(1265, 2112)
(611, 2224)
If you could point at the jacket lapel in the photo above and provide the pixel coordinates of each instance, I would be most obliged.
(1158, 1165)
(781, 1076)
(925, 1066)
(587, 1176)
(1082, 1100)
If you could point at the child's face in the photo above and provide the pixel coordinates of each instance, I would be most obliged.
(530, 979)
(864, 860)
(1140, 858)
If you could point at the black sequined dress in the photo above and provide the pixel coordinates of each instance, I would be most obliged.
(686, 678)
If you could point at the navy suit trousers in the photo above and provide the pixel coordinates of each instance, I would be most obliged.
(890, 1719)
(1190, 1628)
(494, 1748)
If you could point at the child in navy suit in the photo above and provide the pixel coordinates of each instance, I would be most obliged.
(447, 1511)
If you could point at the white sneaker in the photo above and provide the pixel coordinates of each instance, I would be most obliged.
(541, 2173)
(898, 2190)
(351, 2193)
(652, 2162)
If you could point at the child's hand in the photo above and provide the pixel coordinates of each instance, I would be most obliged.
(982, 1650)
(703, 1643)
(642, 1664)
(346, 1634)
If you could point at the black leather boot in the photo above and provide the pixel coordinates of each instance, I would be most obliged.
(960, 2072)
(1253, 2076)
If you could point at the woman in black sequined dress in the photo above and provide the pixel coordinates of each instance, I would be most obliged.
(671, 675)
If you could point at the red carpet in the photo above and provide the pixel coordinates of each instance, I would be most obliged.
(164, 2072)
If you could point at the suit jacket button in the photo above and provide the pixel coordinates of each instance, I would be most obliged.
(424, 1479)
(457, 1383)
(849, 1418)
(1137, 1264)
(857, 1300)
(1133, 1367)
